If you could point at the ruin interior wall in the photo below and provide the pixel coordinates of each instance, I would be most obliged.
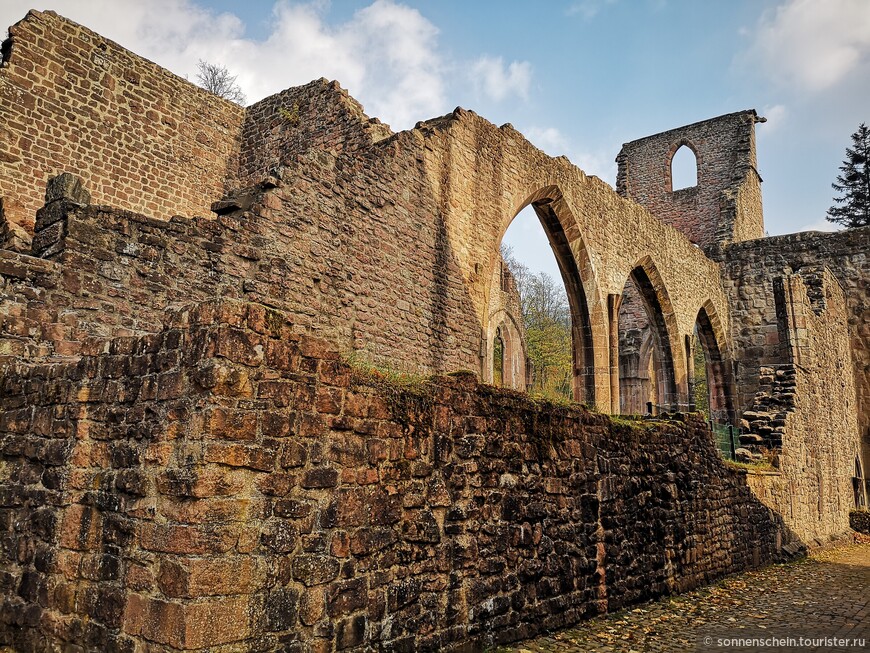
(228, 482)
(505, 318)
(749, 271)
(141, 138)
(805, 409)
(387, 250)
(725, 204)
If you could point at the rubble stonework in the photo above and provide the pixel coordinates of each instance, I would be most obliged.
(228, 482)
(181, 473)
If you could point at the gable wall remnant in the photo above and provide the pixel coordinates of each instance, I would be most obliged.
(141, 138)
(749, 269)
(725, 205)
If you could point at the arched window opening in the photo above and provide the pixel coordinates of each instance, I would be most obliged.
(684, 169)
(553, 312)
(701, 390)
(647, 382)
(713, 389)
(498, 359)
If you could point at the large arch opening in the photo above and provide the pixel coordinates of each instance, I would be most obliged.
(554, 309)
(712, 393)
(647, 380)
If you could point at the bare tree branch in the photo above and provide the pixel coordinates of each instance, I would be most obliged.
(217, 80)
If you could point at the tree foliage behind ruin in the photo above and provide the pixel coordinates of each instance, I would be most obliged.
(852, 207)
(547, 321)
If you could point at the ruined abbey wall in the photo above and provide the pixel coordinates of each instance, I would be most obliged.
(141, 138)
(182, 473)
(505, 319)
(227, 482)
(410, 222)
(759, 338)
(815, 438)
(725, 205)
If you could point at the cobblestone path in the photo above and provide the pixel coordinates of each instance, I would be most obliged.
(824, 596)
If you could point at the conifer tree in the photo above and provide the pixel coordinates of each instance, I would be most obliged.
(852, 208)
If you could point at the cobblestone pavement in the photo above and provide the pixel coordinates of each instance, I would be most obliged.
(824, 596)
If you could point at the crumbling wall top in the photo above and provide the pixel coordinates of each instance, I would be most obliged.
(140, 137)
(725, 204)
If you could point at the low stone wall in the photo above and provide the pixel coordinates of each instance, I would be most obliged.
(228, 485)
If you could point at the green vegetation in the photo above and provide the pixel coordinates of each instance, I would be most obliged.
(364, 372)
(290, 115)
(547, 322)
(702, 392)
(852, 208)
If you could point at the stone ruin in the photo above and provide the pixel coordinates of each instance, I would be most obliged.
(189, 463)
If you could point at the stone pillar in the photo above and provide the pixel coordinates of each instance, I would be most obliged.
(62, 193)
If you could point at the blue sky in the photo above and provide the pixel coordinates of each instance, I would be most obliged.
(578, 77)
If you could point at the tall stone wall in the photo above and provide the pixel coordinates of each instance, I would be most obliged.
(387, 250)
(758, 337)
(226, 482)
(142, 138)
(811, 398)
(725, 205)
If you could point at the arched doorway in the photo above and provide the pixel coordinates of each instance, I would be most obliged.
(712, 387)
(574, 270)
(646, 363)
(859, 485)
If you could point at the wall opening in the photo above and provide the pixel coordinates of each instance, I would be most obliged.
(713, 395)
(647, 382)
(498, 359)
(553, 305)
(684, 169)
(859, 485)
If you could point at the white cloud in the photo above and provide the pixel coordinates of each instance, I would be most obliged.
(498, 81)
(811, 43)
(555, 143)
(386, 54)
(820, 225)
(776, 115)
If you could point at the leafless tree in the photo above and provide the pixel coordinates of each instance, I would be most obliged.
(217, 79)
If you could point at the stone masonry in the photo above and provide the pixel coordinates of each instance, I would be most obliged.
(187, 464)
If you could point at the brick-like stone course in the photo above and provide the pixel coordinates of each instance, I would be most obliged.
(725, 205)
(229, 482)
(140, 137)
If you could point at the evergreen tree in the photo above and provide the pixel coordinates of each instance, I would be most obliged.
(852, 208)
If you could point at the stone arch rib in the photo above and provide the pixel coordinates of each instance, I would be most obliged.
(660, 312)
(720, 384)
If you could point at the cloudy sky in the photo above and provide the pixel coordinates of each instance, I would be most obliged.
(578, 77)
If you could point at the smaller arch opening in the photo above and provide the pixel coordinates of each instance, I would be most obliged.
(684, 169)
(859, 485)
(498, 359)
